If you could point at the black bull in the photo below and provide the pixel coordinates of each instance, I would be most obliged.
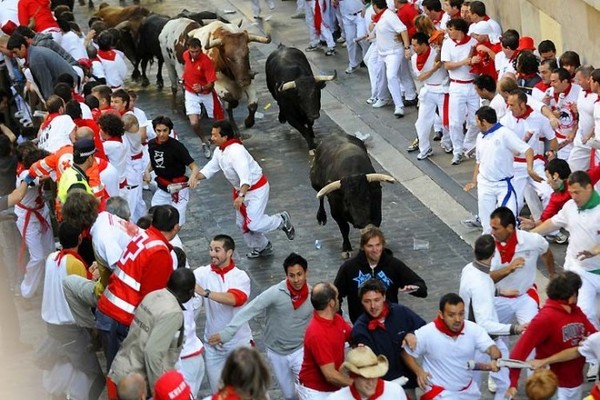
(296, 90)
(343, 172)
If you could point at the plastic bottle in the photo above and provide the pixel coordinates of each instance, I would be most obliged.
(317, 244)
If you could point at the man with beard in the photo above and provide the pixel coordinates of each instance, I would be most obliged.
(225, 289)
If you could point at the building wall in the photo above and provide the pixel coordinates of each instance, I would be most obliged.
(575, 28)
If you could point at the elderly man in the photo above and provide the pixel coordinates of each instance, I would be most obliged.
(367, 371)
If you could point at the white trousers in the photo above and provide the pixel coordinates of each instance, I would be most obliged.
(464, 102)
(429, 102)
(580, 156)
(300, 6)
(537, 194)
(305, 393)
(392, 63)
(565, 152)
(214, 358)
(354, 27)
(326, 29)
(192, 369)
(569, 393)
(588, 294)
(256, 6)
(491, 195)
(286, 368)
(161, 197)
(377, 79)
(39, 244)
(133, 191)
(255, 223)
(501, 377)
(523, 308)
(79, 293)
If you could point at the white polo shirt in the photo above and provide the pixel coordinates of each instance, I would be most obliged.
(386, 29)
(584, 234)
(438, 81)
(538, 128)
(568, 120)
(503, 64)
(529, 246)
(446, 358)
(219, 315)
(477, 291)
(495, 151)
(453, 52)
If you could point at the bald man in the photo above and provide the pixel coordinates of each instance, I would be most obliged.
(132, 387)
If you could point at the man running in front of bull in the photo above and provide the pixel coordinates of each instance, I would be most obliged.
(199, 78)
(250, 190)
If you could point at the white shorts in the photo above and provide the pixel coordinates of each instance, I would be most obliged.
(193, 101)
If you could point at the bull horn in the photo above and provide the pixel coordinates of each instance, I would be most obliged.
(287, 86)
(323, 78)
(380, 178)
(213, 43)
(330, 187)
(257, 38)
(125, 25)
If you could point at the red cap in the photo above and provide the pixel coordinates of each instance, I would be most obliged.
(172, 386)
(526, 43)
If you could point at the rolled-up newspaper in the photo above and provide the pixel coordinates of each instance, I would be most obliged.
(501, 363)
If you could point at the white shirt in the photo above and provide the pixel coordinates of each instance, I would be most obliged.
(110, 237)
(73, 45)
(134, 139)
(98, 69)
(562, 102)
(191, 343)
(452, 52)
(503, 64)
(237, 165)
(530, 246)
(495, 152)
(499, 105)
(56, 134)
(597, 120)
(386, 29)
(477, 291)
(110, 177)
(55, 309)
(584, 234)
(349, 7)
(590, 348)
(219, 315)
(446, 358)
(538, 128)
(114, 70)
(9, 11)
(391, 391)
(585, 107)
(118, 154)
(438, 81)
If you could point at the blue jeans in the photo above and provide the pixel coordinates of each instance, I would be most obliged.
(112, 334)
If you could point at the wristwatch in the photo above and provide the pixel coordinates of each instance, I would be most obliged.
(207, 293)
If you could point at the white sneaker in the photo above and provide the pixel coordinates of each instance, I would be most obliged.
(371, 100)
(473, 222)
(471, 152)
(447, 149)
(492, 387)
(350, 70)
(381, 103)
(399, 112)
(425, 154)
(206, 150)
(457, 159)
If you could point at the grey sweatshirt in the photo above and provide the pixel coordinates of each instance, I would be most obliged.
(284, 327)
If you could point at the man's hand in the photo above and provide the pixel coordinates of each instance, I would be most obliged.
(510, 393)
(193, 181)
(423, 379)
(535, 176)
(147, 177)
(494, 366)
(585, 254)
(237, 203)
(537, 364)
(409, 289)
(470, 186)
(521, 328)
(527, 224)
(200, 290)
(410, 341)
(93, 269)
(516, 264)
(508, 292)
(215, 339)
(555, 123)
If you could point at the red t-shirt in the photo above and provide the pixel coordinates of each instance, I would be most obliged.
(200, 71)
(39, 10)
(407, 14)
(323, 344)
(552, 330)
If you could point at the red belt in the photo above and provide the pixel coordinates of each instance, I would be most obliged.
(164, 182)
(560, 135)
(262, 181)
(536, 157)
(531, 292)
(137, 156)
(436, 390)
(196, 353)
(459, 81)
(123, 185)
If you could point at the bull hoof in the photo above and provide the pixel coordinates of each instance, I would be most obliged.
(145, 82)
(249, 122)
(346, 255)
(136, 76)
(90, 5)
(160, 85)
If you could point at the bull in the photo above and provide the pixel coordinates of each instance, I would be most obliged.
(296, 90)
(342, 172)
(227, 46)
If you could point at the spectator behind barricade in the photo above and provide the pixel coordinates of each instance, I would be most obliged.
(72, 41)
(65, 88)
(102, 93)
(541, 385)
(570, 61)
(547, 50)
(113, 62)
(506, 60)
(245, 376)
(527, 71)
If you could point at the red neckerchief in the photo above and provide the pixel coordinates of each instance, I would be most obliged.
(222, 271)
(20, 168)
(298, 296)
(379, 322)
(122, 112)
(64, 252)
(48, 119)
(464, 40)
(442, 327)
(77, 97)
(595, 392)
(566, 92)
(422, 58)
(377, 16)
(526, 76)
(376, 395)
(526, 114)
(227, 393)
(437, 21)
(109, 55)
(114, 139)
(507, 250)
(486, 18)
(228, 143)
(514, 56)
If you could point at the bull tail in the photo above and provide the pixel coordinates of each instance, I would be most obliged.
(321, 214)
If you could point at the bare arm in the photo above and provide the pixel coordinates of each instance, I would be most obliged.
(334, 376)
(220, 297)
(548, 259)
(545, 227)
